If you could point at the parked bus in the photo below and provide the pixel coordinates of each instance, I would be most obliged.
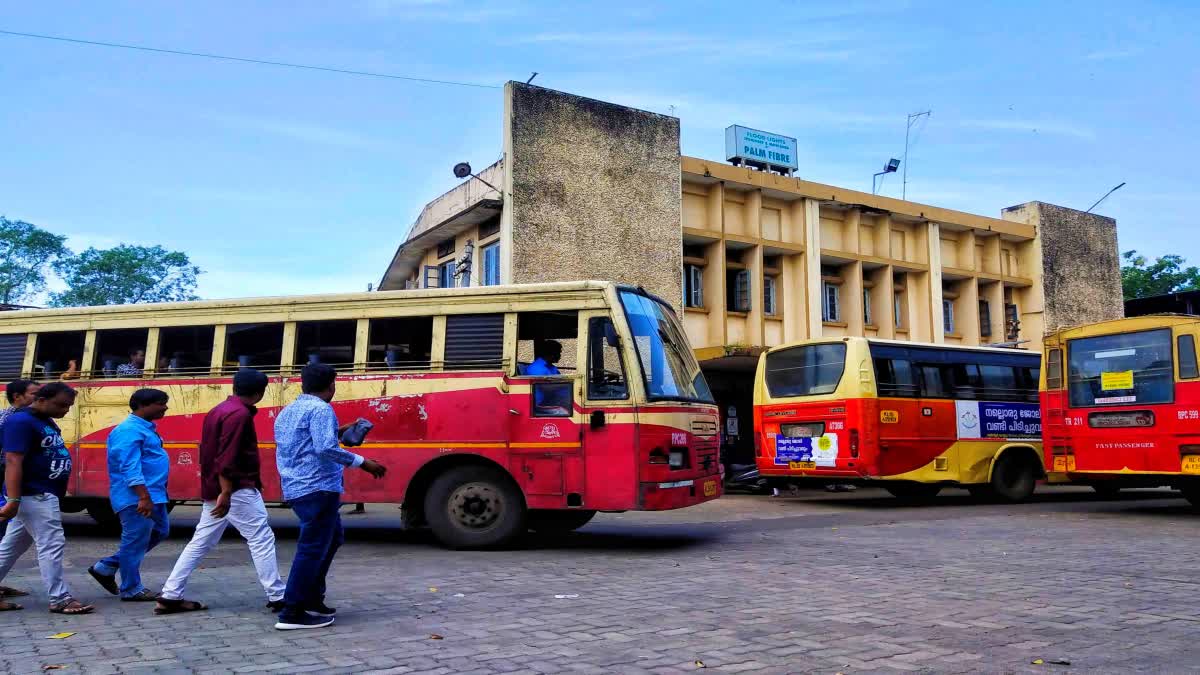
(476, 449)
(1122, 403)
(913, 417)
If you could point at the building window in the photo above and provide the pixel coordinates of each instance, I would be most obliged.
(770, 304)
(898, 308)
(693, 286)
(948, 316)
(446, 248)
(985, 318)
(491, 265)
(489, 228)
(446, 275)
(867, 318)
(739, 290)
(1012, 321)
(831, 306)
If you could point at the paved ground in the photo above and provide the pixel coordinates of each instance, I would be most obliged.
(820, 583)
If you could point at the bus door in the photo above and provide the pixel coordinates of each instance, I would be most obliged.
(1059, 456)
(608, 425)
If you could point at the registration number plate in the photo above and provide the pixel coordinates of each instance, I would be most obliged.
(710, 488)
(802, 465)
(1066, 463)
(1191, 464)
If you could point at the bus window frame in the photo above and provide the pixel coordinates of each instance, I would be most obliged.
(1194, 371)
(1071, 344)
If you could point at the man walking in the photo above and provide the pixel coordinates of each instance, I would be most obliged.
(230, 485)
(311, 463)
(19, 394)
(37, 467)
(137, 486)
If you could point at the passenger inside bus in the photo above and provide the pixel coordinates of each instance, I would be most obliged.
(135, 366)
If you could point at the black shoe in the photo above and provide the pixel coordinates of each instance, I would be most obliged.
(108, 583)
(320, 609)
(303, 622)
(276, 606)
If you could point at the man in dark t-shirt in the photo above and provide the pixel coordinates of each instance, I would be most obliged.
(37, 468)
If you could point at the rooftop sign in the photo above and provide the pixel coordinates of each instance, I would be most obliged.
(760, 148)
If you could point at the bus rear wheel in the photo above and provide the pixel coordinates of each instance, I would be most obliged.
(1014, 478)
(913, 492)
(474, 507)
(558, 522)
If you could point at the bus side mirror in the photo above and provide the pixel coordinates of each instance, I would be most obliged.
(598, 420)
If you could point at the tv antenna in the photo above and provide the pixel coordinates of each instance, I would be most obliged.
(912, 119)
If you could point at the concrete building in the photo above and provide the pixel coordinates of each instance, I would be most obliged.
(751, 258)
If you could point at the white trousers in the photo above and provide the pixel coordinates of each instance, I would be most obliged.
(39, 523)
(248, 514)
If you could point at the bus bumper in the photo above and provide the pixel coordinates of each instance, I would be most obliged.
(679, 494)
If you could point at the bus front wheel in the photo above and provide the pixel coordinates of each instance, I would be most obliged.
(558, 522)
(474, 507)
(1013, 477)
(913, 492)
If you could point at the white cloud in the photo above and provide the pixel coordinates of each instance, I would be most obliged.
(1032, 126)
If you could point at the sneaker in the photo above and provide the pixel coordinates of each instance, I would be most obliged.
(276, 606)
(303, 622)
(320, 609)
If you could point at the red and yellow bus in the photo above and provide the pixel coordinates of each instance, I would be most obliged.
(912, 417)
(1121, 401)
(475, 449)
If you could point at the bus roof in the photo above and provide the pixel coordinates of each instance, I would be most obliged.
(903, 343)
(1125, 325)
(35, 319)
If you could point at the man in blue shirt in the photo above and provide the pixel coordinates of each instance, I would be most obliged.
(546, 353)
(20, 395)
(36, 470)
(137, 486)
(311, 461)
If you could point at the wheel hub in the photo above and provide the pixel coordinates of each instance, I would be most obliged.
(475, 506)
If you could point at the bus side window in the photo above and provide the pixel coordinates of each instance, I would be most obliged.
(474, 342)
(1054, 361)
(185, 350)
(401, 343)
(117, 352)
(254, 345)
(12, 355)
(549, 336)
(894, 377)
(328, 342)
(606, 368)
(1188, 369)
(932, 382)
(59, 355)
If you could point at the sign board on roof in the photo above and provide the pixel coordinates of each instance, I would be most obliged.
(760, 147)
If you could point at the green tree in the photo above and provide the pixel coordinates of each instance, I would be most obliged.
(125, 275)
(1141, 278)
(27, 253)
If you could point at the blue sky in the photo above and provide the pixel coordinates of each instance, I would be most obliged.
(286, 181)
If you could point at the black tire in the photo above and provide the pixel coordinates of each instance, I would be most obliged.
(558, 522)
(982, 493)
(101, 511)
(1191, 492)
(475, 507)
(1107, 490)
(1014, 477)
(913, 492)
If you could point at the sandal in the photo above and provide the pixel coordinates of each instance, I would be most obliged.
(143, 595)
(6, 592)
(166, 606)
(71, 606)
(9, 607)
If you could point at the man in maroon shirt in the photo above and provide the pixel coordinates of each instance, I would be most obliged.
(230, 485)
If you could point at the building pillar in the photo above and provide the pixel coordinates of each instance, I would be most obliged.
(933, 240)
(812, 265)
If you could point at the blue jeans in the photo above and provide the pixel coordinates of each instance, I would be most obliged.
(319, 540)
(139, 534)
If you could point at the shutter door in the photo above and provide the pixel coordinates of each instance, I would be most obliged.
(474, 342)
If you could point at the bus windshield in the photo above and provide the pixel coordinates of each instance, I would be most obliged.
(669, 368)
(806, 371)
(1123, 369)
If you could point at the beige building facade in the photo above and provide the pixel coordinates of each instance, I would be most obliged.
(752, 259)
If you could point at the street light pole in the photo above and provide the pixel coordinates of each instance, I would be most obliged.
(908, 128)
